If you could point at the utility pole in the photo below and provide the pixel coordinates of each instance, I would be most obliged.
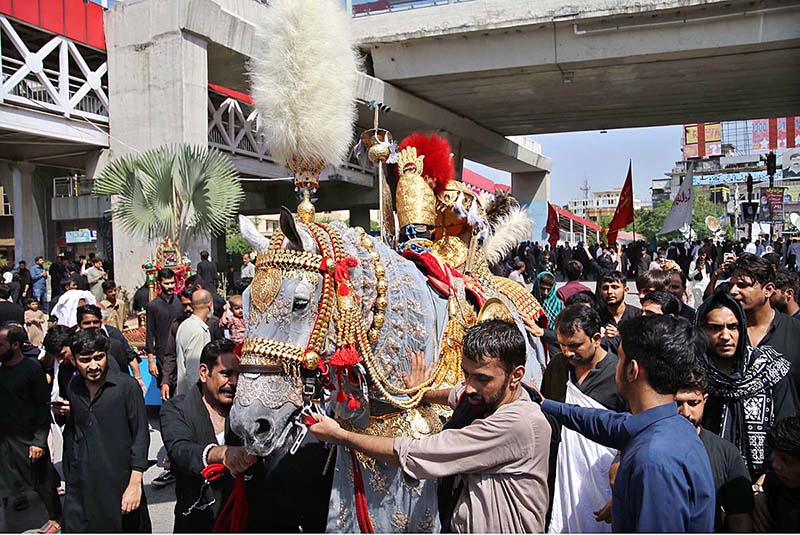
(749, 200)
(771, 168)
(585, 188)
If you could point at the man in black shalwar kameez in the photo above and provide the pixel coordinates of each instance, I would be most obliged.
(106, 440)
(24, 425)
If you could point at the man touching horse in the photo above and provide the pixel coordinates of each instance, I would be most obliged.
(492, 456)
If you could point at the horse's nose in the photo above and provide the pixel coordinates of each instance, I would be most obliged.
(264, 426)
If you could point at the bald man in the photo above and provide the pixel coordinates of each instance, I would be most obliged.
(192, 336)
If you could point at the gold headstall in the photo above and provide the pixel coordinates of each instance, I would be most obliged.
(272, 266)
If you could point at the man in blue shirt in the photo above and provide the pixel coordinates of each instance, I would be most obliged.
(39, 281)
(664, 481)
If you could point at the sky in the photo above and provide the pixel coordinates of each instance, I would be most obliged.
(603, 160)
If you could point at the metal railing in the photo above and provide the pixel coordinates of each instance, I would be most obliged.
(374, 7)
(73, 186)
(71, 89)
(233, 127)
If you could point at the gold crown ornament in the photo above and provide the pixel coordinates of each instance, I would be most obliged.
(306, 173)
(416, 201)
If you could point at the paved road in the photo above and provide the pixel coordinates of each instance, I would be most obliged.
(161, 502)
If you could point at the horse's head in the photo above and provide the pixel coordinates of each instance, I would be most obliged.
(282, 307)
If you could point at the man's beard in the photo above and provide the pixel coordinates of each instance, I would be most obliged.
(488, 406)
(781, 306)
(694, 422)
(96, 379)
(8, 355)
(578, 361)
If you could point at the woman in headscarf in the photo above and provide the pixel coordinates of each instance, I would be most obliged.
(545, 293)
(749, 388)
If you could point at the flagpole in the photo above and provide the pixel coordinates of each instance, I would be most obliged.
(630, 162)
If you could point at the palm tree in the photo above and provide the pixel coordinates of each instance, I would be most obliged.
(173, 193)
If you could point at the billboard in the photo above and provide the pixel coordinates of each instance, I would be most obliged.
(80, 236)
(791, 163)
(770, 205)
(774, 134)
(702, 139)
(728, 178)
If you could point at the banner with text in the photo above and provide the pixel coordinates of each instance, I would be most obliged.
(770, 205)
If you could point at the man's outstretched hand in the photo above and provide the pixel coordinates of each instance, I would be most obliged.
(531, 326)
(419, 372)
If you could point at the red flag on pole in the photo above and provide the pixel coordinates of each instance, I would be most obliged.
(552, 228)
(623, 216)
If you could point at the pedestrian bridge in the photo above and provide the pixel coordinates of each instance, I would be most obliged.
(535, 66)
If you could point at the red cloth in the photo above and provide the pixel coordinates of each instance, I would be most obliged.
(623, 216)
(553, 228)
(233, 516)
(570, 289)
(362, 512)
(440, 275)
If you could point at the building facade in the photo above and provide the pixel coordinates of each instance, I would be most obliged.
(598, 205)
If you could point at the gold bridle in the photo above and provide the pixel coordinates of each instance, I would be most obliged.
(263, 355)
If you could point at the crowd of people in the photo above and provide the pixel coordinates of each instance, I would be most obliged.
(679, 414)
(68, 371)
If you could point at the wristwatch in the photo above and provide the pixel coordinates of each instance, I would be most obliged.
(758, 489)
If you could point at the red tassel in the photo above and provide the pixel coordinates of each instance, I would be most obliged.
(342, 271)
(341, 397)
(362, 512)
(234, 514)
(346, 356)
(353, 404)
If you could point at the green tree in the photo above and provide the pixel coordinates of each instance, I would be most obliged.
(650, 220)
(235, 244)
(176, 192)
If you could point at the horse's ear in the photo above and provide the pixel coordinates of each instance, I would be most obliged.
(289, 229)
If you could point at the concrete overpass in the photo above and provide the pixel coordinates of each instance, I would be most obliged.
(53, 120)
(522, 67)
(178, 71)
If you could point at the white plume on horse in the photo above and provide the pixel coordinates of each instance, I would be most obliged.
(303, 77)
(251, 234)
(511, 229)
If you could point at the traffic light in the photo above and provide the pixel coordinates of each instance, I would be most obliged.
(771, 163)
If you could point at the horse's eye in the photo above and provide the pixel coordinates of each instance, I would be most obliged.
(300, 303)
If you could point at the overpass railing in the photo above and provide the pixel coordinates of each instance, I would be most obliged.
(73, 186)
(374, 7)
(53, 78)
(233, 126)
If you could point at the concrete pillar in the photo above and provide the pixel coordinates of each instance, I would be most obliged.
(161, 79)
(359, 217)
(533, 186)
(571, 231)
(29, 226)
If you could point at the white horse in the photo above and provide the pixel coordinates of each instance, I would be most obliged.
(294, 315)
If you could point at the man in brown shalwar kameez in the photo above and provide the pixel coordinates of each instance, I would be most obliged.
(492, 457)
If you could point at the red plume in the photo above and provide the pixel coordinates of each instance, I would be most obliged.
(438, 164)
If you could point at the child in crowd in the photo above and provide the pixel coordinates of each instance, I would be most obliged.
(778, 501)
(235, 323)
(35, 321)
